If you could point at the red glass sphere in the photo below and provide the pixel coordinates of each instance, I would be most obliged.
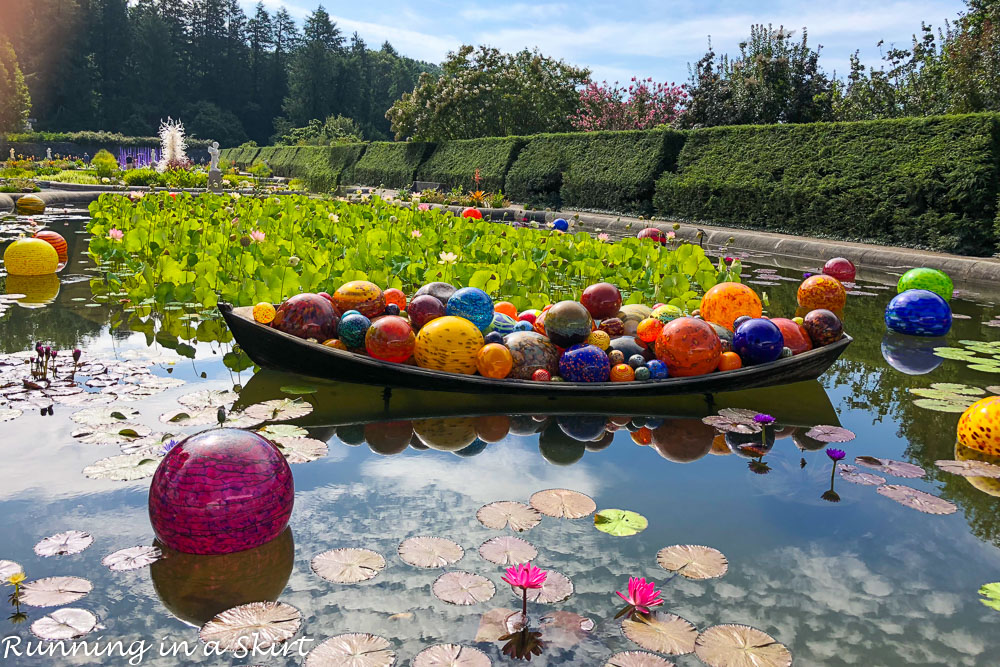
(541, 375)
(423, 309)
(654, 234)
(840, 268)
(307, 316)
(471, 212)
(221, 491)
(689, 347)
(795, 335)
(395, 296)
(56, 240)
(603, 300)
(390, 338)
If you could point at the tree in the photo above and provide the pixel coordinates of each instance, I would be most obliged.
(643, 105)
(313, 79)
(774, 80)
(208, 121)
(483, 92)
(15, 100)
(334, 130)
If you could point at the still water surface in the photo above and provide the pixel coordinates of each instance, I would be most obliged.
(864, 581)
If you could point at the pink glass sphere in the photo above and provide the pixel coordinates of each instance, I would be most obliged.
(841, 269)
(221, 491)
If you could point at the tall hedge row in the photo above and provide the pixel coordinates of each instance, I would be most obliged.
(454, 163)
(322, 167)
(925, 182)
(613, 171)
(392, 164)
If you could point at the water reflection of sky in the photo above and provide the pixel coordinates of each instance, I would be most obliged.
(863, 581)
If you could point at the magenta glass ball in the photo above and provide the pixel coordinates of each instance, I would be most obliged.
(841, 269)
(221, 491)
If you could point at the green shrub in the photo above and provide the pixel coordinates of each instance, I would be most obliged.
(101, 137)
(260, 170)
(104, 163)
(137, 177)
(76, 176)
(454, 163)
(613, 171)
(323, 167)
(392, 164)
(183, 178)
(924, 182)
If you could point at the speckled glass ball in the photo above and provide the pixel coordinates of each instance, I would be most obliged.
(622, 373)
(642, 373)
(616, 357)
(666, 313)
(473, 304)
(424, 308)
(823, 327)
(449, 344)
(524, 325)
(531, 351)
(636, 360)
(264, 312)
(221, 491)
(727, 301)
(598, 339)
(541, 375)
(306, 316)
(360, 295)
(390, 338)
(395, 297)
(918, 312)
(612, 326)
(649, 329)
(503, 324)
(657, 370)
(584, 363)
(353, 329)
(929, 279)
(979, 426)
(786, 352)
(689, 347)
(822, 292)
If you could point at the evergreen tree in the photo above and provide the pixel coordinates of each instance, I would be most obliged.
(15, 101)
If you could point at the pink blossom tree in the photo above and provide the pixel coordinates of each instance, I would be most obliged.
(642, 105)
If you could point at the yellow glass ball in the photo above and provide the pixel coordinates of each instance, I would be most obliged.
(448, 434)
(30, 257)
(30, 205)
(38, 291)
(448, 344)
(264, 312)
(979, 426)
(599, 339)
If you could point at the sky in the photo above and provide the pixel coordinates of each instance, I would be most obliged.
(632, 38)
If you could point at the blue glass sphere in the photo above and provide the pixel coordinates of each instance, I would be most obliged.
(657, 370)
(911, 355)
(392, 309)
(918, 312)
(758, 341)
(493, 337)
(560, 225)
(504, 324)
(473, 304)
(585, 363)
(353, 327)
(522, 325)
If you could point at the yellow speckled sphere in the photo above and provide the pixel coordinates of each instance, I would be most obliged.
(599, 339)
(30, 205)
(264, 312)
(446, 435)
(726, 301)
(979, 426)
(30, 257)
(988, 485)
(448, 344)
(822, 292)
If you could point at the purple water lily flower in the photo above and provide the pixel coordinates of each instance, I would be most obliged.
(835, 454)
(763, 419)
(167, 446)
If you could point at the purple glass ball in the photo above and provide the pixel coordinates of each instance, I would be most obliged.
(221, 491)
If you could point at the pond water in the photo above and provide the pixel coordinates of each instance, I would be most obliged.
(864, 580)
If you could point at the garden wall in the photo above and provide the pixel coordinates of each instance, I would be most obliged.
(455, 163)
(390, 164)
(926, 182)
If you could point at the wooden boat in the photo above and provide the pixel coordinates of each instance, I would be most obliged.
(270, 348)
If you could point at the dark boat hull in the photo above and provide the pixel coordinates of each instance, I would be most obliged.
(270, 348)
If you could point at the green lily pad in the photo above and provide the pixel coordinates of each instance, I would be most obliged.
(942, 395)
(620, 523)
(939, 405)
(991, 595)
(957, 388)
(956, 353)
(985, 368)
(297, 389)
(283, 431)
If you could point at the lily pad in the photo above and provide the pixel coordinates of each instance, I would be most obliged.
(451, 655)
(54, 591)
(463, 588)
(9, 414)
(64, 624)
(499, 515)
(430, 552)
(830, 434)
(740, 646)
(563, 503)
(103, 416)
(557, 587)
(854, 476)
(620, 523)
(208, 398)
(279, 410)
(507, 550)
(942, 405)
(958, 388)
(298, 389)
(111, 434)
(727, 425)
(132, 558)
(301, 450)
(637, 659)
(991, 595)
(123, 467)
(352, 650)
(970, 468)
(954, 353)
(283, 431)
(693, 561)
(891, 467)
(64, 544)
(994, 389)
(916, 499)
(260, 624)
(8, 569)
(348, 566)
(662, 632)
(985, 368)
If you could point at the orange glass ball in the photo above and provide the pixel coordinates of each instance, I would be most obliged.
(335, 344)
(726, 301)
(56, 240)
(795, 335)
(360, 295)
(979, 426)
(730, 361)
(822, 292)
(494, 361)
(390, 338)
(649, 329)
(622, 373)
(396, 297)
(264, 312)
(642, 436)
(689, 347)
(505, 307)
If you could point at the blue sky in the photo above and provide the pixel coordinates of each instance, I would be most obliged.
(631, 38)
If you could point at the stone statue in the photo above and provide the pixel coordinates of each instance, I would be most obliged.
(213, 152)
(11, 154)
(48, 153)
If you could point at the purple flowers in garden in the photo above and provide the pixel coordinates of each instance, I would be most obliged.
(835, 454)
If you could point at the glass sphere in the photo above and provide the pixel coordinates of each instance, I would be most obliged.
(840, 268)
(584, 363)
(929, 279)
(758, 341)
(723, 303)
(424, 308)
(306, 316)
(390, 338)
(449, 344)
(602, 300)
(822, 292)
(918, 312)
(360, 295)
(689, 347)
(473, 304)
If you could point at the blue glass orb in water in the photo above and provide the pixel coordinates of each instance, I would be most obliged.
(918, 312)
(560, 224)
(758, 341)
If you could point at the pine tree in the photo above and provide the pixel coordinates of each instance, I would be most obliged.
(15, 101)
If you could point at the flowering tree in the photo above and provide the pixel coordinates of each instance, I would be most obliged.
(644, 104)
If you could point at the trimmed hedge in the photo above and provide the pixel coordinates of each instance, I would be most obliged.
(614, 171)
(454, 163)
(322, 167)
(392, 164)
(924, 182)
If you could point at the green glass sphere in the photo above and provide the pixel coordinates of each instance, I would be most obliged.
(929, 279)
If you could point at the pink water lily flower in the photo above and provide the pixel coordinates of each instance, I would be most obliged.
(116, 234)
(603, 237)
(423, 207)
(416, 234)
(641, 594)
(257, 236)
(525, 575)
